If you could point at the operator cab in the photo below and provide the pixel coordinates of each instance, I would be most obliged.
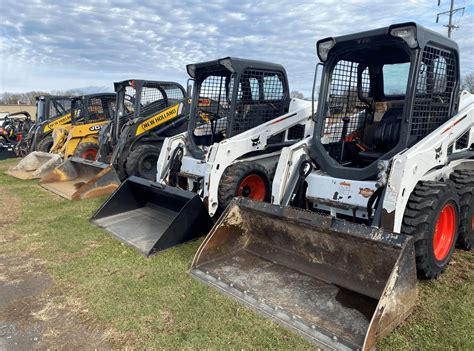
(92, 108)
(381, 92)
(138, 98)
(222, 108)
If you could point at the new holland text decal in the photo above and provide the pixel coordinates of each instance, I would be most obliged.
(57, 122)
(158, 119)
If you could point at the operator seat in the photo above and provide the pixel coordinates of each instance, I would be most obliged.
(386, 135)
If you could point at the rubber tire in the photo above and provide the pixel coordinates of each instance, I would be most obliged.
(420, 218)
(45, 144)
(464, 181)
(137, 156)
(234, 175)
(83, 147)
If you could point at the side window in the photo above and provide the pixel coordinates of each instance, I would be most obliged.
(422, 78)
(272, 87)
(439, 74)
(437, 79)
(254, 89)
(395, 78)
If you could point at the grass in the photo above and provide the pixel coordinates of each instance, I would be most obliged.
(153, 303)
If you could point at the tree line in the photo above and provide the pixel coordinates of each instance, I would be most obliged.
(29, 97)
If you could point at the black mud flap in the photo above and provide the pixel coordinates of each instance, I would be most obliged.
(339, 284)
(151, 217)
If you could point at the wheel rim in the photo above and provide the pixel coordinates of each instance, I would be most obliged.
(444, 232)
(90, 154)
(148, 165)
(253, 187)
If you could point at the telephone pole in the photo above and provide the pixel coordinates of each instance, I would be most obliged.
(450, 14)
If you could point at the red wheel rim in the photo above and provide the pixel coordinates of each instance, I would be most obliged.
(444, 232)
(90, 154)
(253, 187)
(472, 223)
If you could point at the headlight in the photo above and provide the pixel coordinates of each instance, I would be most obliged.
(408, 34)
(324, 48)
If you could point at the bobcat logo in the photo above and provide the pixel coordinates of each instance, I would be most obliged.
(256, 141)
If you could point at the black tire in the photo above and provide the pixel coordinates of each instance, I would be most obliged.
(45, 144)
(142, 160)
(233, 178)
(87, 151)
(464, 181)
(422, 214)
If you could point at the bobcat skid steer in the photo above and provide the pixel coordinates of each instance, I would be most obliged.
(147, 112)
(51, 112)
(383, 200)
(80, 140)
(241, 116)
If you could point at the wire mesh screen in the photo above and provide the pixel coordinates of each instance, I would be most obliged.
(100, 109)
(59, 107)
(434, 89)
(463, 141)
(213, 106)
(296, 132)
(260, 99)
(173, 94)
(97, 109)
(344, 102)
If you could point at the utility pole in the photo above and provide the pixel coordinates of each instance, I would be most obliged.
(450, 14)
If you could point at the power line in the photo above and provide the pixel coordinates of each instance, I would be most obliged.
(450, 14)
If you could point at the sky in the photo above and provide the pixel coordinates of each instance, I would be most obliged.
(61, 45)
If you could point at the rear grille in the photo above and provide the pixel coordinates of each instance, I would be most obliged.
(296, 132)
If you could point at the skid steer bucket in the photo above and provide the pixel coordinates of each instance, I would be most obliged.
(339, 284)
(78, 179)
(151, 217)
(35, 165)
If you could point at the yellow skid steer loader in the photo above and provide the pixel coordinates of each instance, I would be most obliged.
(81, 141)
(128, 145)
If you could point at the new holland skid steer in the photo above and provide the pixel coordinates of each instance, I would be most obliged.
(241, 116)
(78, 137)
(386, 187)
(51, 113)
(147, 112)
(80, 140)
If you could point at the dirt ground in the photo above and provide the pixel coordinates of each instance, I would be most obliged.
(31, 313)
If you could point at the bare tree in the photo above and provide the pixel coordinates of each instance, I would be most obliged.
(27, 98)
(467, 82)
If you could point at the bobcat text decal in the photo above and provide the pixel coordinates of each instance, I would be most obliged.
(57, 122)
(158, 119)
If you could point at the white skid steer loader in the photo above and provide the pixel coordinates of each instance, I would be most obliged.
(385, 187)
(241, 117)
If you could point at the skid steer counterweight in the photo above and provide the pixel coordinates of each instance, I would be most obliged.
(339, 284)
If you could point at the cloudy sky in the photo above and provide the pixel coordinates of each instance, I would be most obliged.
(59, 45)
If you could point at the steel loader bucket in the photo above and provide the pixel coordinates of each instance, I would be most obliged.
(151, 217)
(35, 165)
(340, 285)
(78, 179)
